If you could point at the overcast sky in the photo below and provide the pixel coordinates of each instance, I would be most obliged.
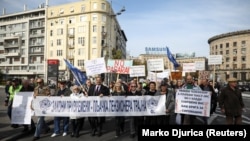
(183, 25)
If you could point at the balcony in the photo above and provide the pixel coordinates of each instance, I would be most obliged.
(12, 54)
(11, 45)
(36, 35)
(36, 53)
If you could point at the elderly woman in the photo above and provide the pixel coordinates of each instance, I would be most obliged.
(76, 122)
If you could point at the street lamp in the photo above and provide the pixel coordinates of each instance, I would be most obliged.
(110, 38)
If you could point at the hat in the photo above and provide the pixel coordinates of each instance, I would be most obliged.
(232, 79)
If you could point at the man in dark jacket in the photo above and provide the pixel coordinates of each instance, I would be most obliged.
(98, 89)
(205, 86)
(231, 103)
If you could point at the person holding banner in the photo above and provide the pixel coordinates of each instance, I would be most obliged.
(205, 86)
(169, 104)
(231, 103)
(119, 120)
(28, 88)
(136, 120)
(98, 89)
(61, 91)
(76, 122)
(13, 89)
(185, 118)
(40, 90)
(151, 120)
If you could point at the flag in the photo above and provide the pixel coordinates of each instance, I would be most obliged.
(172, 59)
(79, 76)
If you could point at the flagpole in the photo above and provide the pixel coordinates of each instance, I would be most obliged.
(170, 76)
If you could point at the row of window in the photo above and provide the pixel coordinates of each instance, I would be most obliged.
(235, 44)
(83, 9)
(235, 51)
(80, 52)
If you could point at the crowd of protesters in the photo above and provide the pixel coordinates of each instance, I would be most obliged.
(73, 125)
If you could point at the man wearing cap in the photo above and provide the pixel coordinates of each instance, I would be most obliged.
(231, 103)
(61, 91)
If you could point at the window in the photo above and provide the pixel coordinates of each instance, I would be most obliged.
(103, 6)
(221, 46)
(243, 43)
(243, 58)
(80, 52)
(94, 5)
(104, 18)
(243, 66)
(234, 44)
(94, 17)
(94, 28)
(59, 52)
(51, 43)
(216, 47)
(71, 31)
(80, 63)
(61, 11)
(83, 8)
(94, 40)
(82, 18)
(243, 50)
(234, 66)
(221, 52)
(51, 13)
(72, 9)
(81, 41)
(59, 31)
(51, 32)
(227, 51)
(235, 59)
(51, 23)
(235, 52)
(227, 59)
(58, 42)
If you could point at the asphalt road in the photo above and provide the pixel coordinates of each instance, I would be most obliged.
(10, 134)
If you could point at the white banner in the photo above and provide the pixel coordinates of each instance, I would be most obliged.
(193, 102)
(99, 106)
(95, 66)
(199, 65)
(155, 65)
(189, 67)
(136, 71)
(21, 112)
(214, 59)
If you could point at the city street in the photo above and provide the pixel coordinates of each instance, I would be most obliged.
(8, 133)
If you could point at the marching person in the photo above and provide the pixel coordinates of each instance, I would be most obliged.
(96, 123)
(231, 103)
(134, 121)
(119, 120)
(61, 91)
(169, 104)
(40, 90)
(14, 88)
(76, 122)
(28, 88)
(187, 119)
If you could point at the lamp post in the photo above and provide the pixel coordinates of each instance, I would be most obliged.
(112, 15)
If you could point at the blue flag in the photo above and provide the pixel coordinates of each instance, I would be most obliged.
(79, 76)
(172, 59)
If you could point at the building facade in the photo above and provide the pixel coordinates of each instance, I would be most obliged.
(22, 37)
(77, 31)
(82, 31)
(235, 50)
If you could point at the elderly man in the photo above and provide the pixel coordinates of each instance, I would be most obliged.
(231, 102)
